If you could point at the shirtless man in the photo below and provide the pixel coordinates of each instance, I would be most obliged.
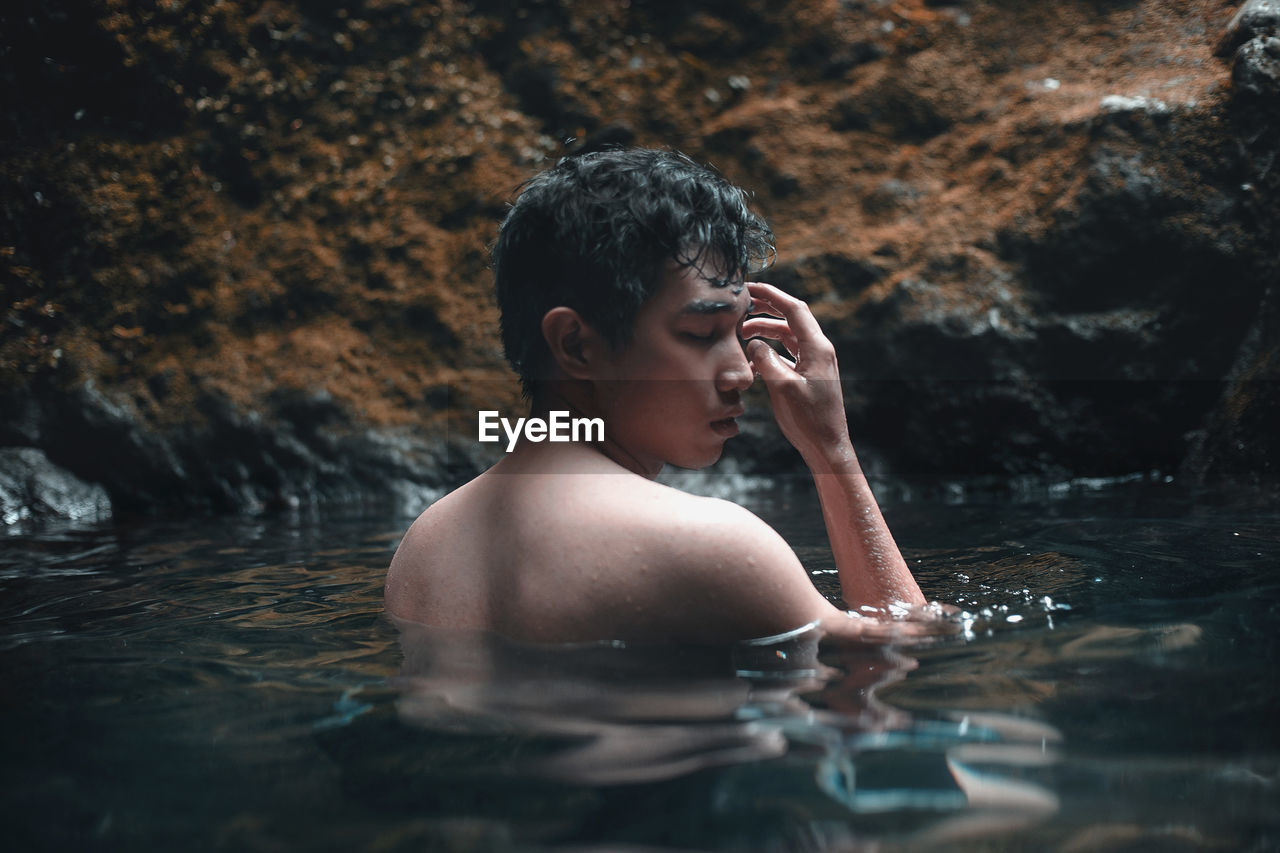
(621, 281)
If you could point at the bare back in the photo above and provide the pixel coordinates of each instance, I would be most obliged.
(594, 552)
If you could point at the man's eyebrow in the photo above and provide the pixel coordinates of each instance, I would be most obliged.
(707, 306)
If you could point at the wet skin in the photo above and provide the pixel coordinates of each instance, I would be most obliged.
(671, 394)
(574, 542)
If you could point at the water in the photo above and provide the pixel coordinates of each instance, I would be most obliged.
(232, 685)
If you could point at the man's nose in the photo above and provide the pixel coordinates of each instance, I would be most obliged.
(737, 374)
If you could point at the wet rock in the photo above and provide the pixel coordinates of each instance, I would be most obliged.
(1123, 242)
(301, 450)
(1256, 69)
(1254, 18)
(1131, 306)
(939, 387)
(33, 489)
(305, 450)
(1239, 442)
(1252, 38)
(1123, 104)
(258, 199)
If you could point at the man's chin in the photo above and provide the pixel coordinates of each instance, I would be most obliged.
(696, 462)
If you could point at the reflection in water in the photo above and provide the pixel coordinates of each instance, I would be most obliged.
(611, 714)
(224, 684)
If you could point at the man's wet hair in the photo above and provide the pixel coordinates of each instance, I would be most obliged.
(595, 233)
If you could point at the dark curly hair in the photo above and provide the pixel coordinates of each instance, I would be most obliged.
(595, 232)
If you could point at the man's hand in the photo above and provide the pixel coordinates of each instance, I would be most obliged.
(806, 396)
(809, 406)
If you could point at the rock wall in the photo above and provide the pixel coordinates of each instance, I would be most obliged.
(243, 245)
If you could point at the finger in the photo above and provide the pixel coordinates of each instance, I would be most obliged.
(768, 364)
(768, 299)
(785, 357)
(795, 311)
(758, 308)
(774, 330)
(769, 327)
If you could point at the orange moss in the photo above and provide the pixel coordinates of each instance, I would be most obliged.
(318, 219)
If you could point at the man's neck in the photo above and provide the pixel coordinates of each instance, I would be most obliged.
(579, 403)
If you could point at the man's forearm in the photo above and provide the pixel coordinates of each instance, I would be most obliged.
(872, 571)
(808, 404)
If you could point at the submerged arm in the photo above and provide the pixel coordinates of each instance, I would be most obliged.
(809, 406)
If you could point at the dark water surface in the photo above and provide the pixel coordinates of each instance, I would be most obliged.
(232, 684)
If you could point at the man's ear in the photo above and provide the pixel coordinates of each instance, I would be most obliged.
(575, 346)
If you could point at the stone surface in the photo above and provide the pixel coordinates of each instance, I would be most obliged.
(243, 246)
(297, 451)
(1239, 445)
(33, 490)
(1256, 69)
(1254, 18)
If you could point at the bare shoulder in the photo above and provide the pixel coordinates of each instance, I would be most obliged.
(723, 569)
(705, 527)
(422, 560)
(596, 556)
(429, 521)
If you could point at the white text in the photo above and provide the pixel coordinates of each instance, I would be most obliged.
(557, 427)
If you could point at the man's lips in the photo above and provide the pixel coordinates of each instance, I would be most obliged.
(728, 426)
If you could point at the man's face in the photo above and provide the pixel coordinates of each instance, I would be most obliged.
(672, 393)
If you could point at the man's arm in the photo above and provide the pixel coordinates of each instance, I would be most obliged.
(809, 407)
